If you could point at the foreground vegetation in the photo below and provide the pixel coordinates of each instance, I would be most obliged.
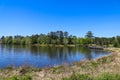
(104, 68)
(104, 76)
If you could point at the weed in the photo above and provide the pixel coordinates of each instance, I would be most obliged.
(108, 76)
(78, 77)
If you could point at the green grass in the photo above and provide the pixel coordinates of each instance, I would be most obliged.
(78, 77)
(108, 76)
(25, 77)
(104, 76)
(57, 70)
(94, 64)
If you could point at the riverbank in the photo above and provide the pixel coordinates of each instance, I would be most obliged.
(54, 45)
(108, 67)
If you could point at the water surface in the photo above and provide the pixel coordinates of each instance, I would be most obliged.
(44, 56)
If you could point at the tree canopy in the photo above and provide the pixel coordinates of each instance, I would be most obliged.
(89, 34)
(60, 38)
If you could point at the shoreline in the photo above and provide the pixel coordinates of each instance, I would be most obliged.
(105, 64)
(51, 45)
(47, 45)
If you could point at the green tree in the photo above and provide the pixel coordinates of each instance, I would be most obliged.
(17, 39)
(116, 42)
(8, 40)
(89, 34)
(34, 39)
(74, 40)
(28, 40)
(23, 41)
(2, 40)
(65, 41)
(66, 34)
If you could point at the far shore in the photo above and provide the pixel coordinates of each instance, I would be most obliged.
(55, 45)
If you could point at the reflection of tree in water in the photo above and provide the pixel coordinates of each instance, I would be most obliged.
(86, 51)
(59, 53)
(18, 48)
(8, 48)
(40, 55)
(52, 52)
(2, 47)
(72, 50)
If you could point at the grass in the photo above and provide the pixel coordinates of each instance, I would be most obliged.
(25, 77)
(78, 77)
(108, 76)
(104, 76)
(57, 69)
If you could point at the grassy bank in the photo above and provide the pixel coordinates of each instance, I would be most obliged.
(55, 45)
(104, 68)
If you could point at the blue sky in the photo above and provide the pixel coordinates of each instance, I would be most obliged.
(27, 17)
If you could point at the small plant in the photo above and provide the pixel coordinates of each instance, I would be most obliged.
(78, 77)
(24, 69)
(9, 67)
(26, 77)
(57, 69)
(94, 64)
(14, 78)
(108, 76)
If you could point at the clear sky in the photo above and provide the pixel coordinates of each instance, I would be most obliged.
(26, 17)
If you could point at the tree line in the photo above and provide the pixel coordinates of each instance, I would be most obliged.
(61, 38)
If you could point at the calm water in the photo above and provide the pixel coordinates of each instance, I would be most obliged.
(44, 56)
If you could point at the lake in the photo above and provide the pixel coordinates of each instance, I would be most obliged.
(45, 56)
